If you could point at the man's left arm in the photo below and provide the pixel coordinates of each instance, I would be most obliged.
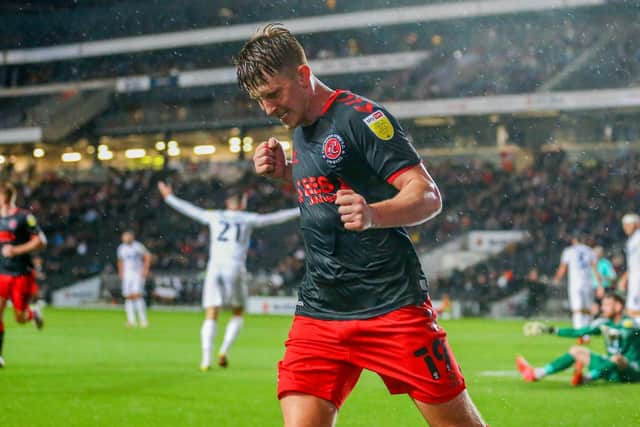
(561, 271)
(417, 201)
(386, 148)
(147, 264)
(36, 242)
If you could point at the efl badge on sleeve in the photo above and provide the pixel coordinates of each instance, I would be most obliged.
(380, 125)
(31, 220)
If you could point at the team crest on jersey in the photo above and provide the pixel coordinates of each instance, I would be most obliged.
(380, 125)
(333, 149)
(13, 224)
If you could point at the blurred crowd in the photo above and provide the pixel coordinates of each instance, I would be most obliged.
(50, 24)
(520, 55)
(83, 221)
(551, 198)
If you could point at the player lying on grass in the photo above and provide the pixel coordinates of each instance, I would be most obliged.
(622, 340)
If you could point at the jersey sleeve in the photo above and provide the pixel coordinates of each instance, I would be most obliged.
(634, 242)
(120, 248)
(607, 270)
(383, 143)
(32, 226)
(593, 329)
(143, 249)
(188, 209)
(566, 255)
(263, 220)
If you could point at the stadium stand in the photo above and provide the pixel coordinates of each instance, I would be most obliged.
(549, 200)
(47, 24)
(151, 94)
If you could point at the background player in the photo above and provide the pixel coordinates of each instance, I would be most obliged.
(363, 303)
(622, 340)
(134, 261)
(607, 275)
(20, 236)
(230, 234)
(580, 261)
(630, 280)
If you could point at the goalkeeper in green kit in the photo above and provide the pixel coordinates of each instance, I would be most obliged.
(622, 339)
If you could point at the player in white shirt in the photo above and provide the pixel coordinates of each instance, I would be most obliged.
(230, 233)
(630, 280)
(134, 261)
(580, 260)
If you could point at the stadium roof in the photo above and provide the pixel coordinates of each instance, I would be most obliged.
(220, 34)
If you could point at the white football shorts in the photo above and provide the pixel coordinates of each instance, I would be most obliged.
(132, 284)
(224, 285)
(581, 298)
(633, 295)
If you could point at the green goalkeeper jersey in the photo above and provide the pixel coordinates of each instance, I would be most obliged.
(620, 338)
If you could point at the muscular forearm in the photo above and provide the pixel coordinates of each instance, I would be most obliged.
(416, 203)
(28, 247)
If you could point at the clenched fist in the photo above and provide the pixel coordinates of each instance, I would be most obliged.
(8, 251)
(269, 159)
(355, 213)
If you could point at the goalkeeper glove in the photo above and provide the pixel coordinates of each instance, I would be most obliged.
(531, 329)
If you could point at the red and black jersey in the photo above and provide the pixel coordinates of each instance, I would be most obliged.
(354, 144)
(16, 229)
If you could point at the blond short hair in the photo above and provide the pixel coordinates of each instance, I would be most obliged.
(272, 49)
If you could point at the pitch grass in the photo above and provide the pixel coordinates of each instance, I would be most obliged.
(86, 369)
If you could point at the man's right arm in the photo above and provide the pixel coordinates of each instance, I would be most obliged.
(269, 160)
(186, 208)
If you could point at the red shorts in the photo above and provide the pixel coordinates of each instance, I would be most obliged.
(17, 288)
(406, 347)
